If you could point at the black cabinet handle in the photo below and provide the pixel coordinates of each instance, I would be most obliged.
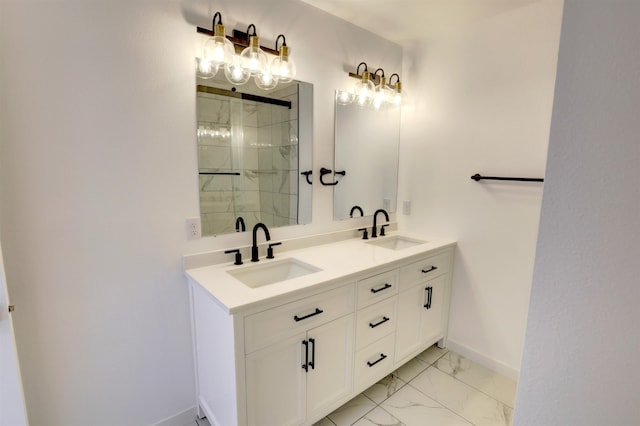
(386, 286)
(426, 271)
(371, 364)
(317, 312)
(429, 291)
(384, 319)
(305, 366)
(313, 353)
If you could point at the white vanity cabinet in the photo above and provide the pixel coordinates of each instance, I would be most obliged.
(290, 359)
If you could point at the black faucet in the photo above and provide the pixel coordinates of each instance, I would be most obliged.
(374, 231)
(240, 226)
(254, 247)
(354, 208)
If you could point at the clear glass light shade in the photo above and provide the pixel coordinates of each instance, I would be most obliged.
(282, 67)
(218, 50)
(205, 69)
(396, 98)
(253, 59)
(235, 73)
(382, 95)
(265, 80)
(344, 98)
(363, 91)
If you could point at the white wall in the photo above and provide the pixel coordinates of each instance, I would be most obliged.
(479, 100)
(98, 173)
(582, 346)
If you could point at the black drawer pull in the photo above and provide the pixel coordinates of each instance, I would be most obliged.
(426, 271)
(386, 286)
(371, 364)
(429, 291)
(305, 366)
(384, 319)
(317, 312)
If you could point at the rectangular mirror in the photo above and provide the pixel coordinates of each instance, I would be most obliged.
(252, 146)
(366, 148)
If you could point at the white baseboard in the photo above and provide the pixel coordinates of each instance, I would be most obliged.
(184, 418)
(492, 364)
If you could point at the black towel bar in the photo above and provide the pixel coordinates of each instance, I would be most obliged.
(477, 177)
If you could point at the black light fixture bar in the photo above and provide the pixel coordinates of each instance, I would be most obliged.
(240, 39)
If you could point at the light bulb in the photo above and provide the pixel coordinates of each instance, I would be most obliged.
(383, 94)
(253, 59)
(235, 73)
(282, 67)
(218, 49)
(396, 98)
(265, 80)
(205, 69)
(344, 98)
(363, 90)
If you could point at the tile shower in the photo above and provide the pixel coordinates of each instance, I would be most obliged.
(256, 143)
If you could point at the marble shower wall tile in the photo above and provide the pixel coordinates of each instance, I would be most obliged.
(213, 108)
(479, 377)
(216, 202)
(249, 114)
(214, 157)
(462, 399)
(413, 408)
(210, 183)
(217, 223)
(264, 115)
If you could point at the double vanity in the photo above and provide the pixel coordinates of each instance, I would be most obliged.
(285, 341)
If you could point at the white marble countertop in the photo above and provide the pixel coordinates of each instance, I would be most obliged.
(337, 260)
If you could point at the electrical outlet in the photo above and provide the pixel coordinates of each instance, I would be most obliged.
(193, 228)
(386, 204)
(406, 208)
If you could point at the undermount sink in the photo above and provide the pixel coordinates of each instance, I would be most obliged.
(396, 242)
(272, 272)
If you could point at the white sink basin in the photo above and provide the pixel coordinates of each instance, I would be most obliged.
(395, 242)
(271, 272)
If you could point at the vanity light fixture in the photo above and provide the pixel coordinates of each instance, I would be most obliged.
(220, 52)
(365, 93)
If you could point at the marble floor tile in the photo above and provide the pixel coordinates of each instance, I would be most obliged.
(324, 422)
(414, 408)
(352, 411)
(479, 377)
(378, 417)
(384, 388)
(432, 354)
(462, 399)
(411, 369)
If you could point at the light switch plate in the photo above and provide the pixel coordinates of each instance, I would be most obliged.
(406, 208)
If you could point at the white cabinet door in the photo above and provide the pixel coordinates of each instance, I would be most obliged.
(276, 384)
(419, 316)
(410, 312)
(331, 371)
(431, 321)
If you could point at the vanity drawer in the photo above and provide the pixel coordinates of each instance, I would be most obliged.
(375, 322)
(374, 362)
(425, 269)
(265, 328)
(376, 288)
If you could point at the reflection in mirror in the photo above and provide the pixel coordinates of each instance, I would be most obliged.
(366, 147)
(252, 146)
